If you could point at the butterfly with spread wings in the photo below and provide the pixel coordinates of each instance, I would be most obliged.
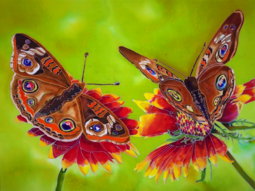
(190, 106)
(86, 126)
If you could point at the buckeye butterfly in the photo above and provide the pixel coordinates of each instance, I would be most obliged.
(47, 98)
(201, 98)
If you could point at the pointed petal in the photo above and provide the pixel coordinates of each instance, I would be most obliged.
(226, 159)
(90, 146)
(131, 153)
(20, 119)
(85, 168)
(107, 166)
(110, 147)
(45, 140)
(50, 156)
(93, 167)
(66, 164)
(148, 108)
(134, 148)
(219, 145)
(130, 123)
(114, 105)
(156, 124)
(201, 154)
(107, 98)
(95, 93)
(123, 112)
(34, 132)
(117, 157)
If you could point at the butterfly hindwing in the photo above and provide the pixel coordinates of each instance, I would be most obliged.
(216, 83)
(100, 123)
(149, 68)
(224, 43)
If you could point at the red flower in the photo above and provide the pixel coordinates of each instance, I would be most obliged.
(171, 158)
(85, 153)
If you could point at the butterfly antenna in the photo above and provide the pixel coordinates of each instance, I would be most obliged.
(197, 58)
(115, 84)
(86, 55)
(170, 68)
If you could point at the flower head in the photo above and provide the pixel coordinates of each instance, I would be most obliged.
(88, 154)
(192, 141)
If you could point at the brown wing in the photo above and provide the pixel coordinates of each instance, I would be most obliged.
(155, 72)
(32, 60)
(217, 83)
(224, 43)
(100, 123)
(179, 96)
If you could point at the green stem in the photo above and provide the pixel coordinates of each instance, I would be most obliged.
(241, 171)
(203, 173)
(61, 177)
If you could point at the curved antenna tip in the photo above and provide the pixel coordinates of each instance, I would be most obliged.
(86, 54)
(117, 83)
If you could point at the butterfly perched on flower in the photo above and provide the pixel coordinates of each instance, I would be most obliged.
(86, 127)
(188, 109)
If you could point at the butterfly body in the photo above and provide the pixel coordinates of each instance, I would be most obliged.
(199, 100)
(51, 101)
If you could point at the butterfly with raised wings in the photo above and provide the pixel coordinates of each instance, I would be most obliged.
(190, 106)
(86, 126)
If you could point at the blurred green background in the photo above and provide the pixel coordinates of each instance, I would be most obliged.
(171, 31)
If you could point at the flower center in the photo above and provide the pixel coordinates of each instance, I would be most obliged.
(188, 126)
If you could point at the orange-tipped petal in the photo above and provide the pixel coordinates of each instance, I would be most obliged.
(156, 91)
(148, 96)
(93, 166)
(107, 166)
(156, 124)
(66, 164)
(117, 157)
(144, 105)
(165, 175)
(45, 140)
(225, 158)
(18, 121)
(213, 159)
(42, 143)
(172, 177)
(185, 170)
(51, 156)
(158, 175)
(153, 172)
(84, 168)
(141, 165)
(243, 98)
(177, 171)
(148, 171)
(239, 90)
(195, 165)
(30, 134)
(130, 153)
(133, 147)
(201, 162)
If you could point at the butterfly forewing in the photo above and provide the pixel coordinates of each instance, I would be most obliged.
(155, 72)
(224, 43)
(30, 58)
(216, 83)
(177, 94)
